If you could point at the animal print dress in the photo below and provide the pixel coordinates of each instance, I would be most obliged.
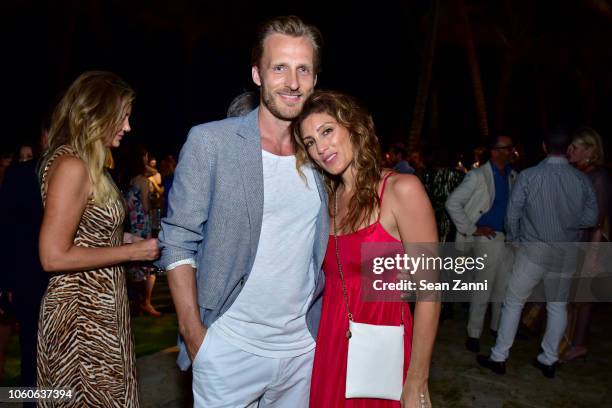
(84, 335)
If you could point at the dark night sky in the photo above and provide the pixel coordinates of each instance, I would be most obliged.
(187, 60)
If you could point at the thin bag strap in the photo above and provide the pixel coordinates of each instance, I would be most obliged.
(348, 310)
(349, 314)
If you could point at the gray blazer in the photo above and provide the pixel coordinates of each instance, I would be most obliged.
(215, 212)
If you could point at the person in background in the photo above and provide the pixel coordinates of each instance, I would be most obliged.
(6, 315)
(478, 154)
(156, 193)
(20, 217)
(586, 153)
(440, 178)
(26, 153)
(141, 276)
(166, 169)
(152, 172)
(478, 210)
(84, 336)
(550, 203)
(242, 104)
(416, 161)
(152, 162)
(6, 158)
(396, 158)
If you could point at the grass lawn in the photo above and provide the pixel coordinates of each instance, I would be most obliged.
(151, 334)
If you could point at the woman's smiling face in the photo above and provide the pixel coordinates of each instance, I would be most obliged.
(327, 142)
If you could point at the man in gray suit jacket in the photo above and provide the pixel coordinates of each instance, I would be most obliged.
(245, 238)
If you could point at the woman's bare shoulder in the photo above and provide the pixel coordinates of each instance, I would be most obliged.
(402, 186)
(68, 166)
(68, 179)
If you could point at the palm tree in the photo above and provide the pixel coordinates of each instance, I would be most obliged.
(424, 84)
(472, 57)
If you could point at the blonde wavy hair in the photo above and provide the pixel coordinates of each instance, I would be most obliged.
(90, 113)
(366, 152)
(588, 137)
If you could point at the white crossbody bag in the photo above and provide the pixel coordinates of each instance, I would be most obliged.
(375, 362)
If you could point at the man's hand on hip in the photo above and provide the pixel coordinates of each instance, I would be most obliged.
(193, 340)
(183, 287)
(485, 232)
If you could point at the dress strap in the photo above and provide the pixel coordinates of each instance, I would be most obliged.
(382, 190)
(60, 151)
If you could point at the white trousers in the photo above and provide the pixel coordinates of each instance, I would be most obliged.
(525, 276)
(226, 376)
(497, 269)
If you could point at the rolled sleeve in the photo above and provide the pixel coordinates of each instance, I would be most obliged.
(188, 203)
(191, 262)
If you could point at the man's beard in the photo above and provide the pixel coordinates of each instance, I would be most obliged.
(270, 103)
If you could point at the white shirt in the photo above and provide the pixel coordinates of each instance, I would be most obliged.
(269, 316)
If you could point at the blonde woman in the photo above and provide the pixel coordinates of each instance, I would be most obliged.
(84, 336)
(586, 153)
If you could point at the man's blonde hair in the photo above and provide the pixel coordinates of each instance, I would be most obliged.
(291, 26)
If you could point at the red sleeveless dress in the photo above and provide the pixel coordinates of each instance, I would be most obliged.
(329, 369)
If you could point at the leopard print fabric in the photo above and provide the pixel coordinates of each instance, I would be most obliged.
(84, 336)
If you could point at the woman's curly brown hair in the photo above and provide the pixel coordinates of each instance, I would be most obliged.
(366, 151)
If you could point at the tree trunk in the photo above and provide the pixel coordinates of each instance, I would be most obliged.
(470, 50)
(542, 105)
(503, 93)
(588, 96)
(71, 8)
(424, 84)
(434, 135)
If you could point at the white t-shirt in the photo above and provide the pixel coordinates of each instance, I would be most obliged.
(268, 318)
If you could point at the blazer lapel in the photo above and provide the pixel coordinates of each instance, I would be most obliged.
(251, 170)
(488, 175)
(322, 229)
(320, 186)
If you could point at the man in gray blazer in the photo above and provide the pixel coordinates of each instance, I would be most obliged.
(478, 209)
(245, 238)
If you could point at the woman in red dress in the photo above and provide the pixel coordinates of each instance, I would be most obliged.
(369, 204)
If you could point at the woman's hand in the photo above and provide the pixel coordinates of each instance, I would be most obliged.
(415, 393)
(129, 238)
(144, 250)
